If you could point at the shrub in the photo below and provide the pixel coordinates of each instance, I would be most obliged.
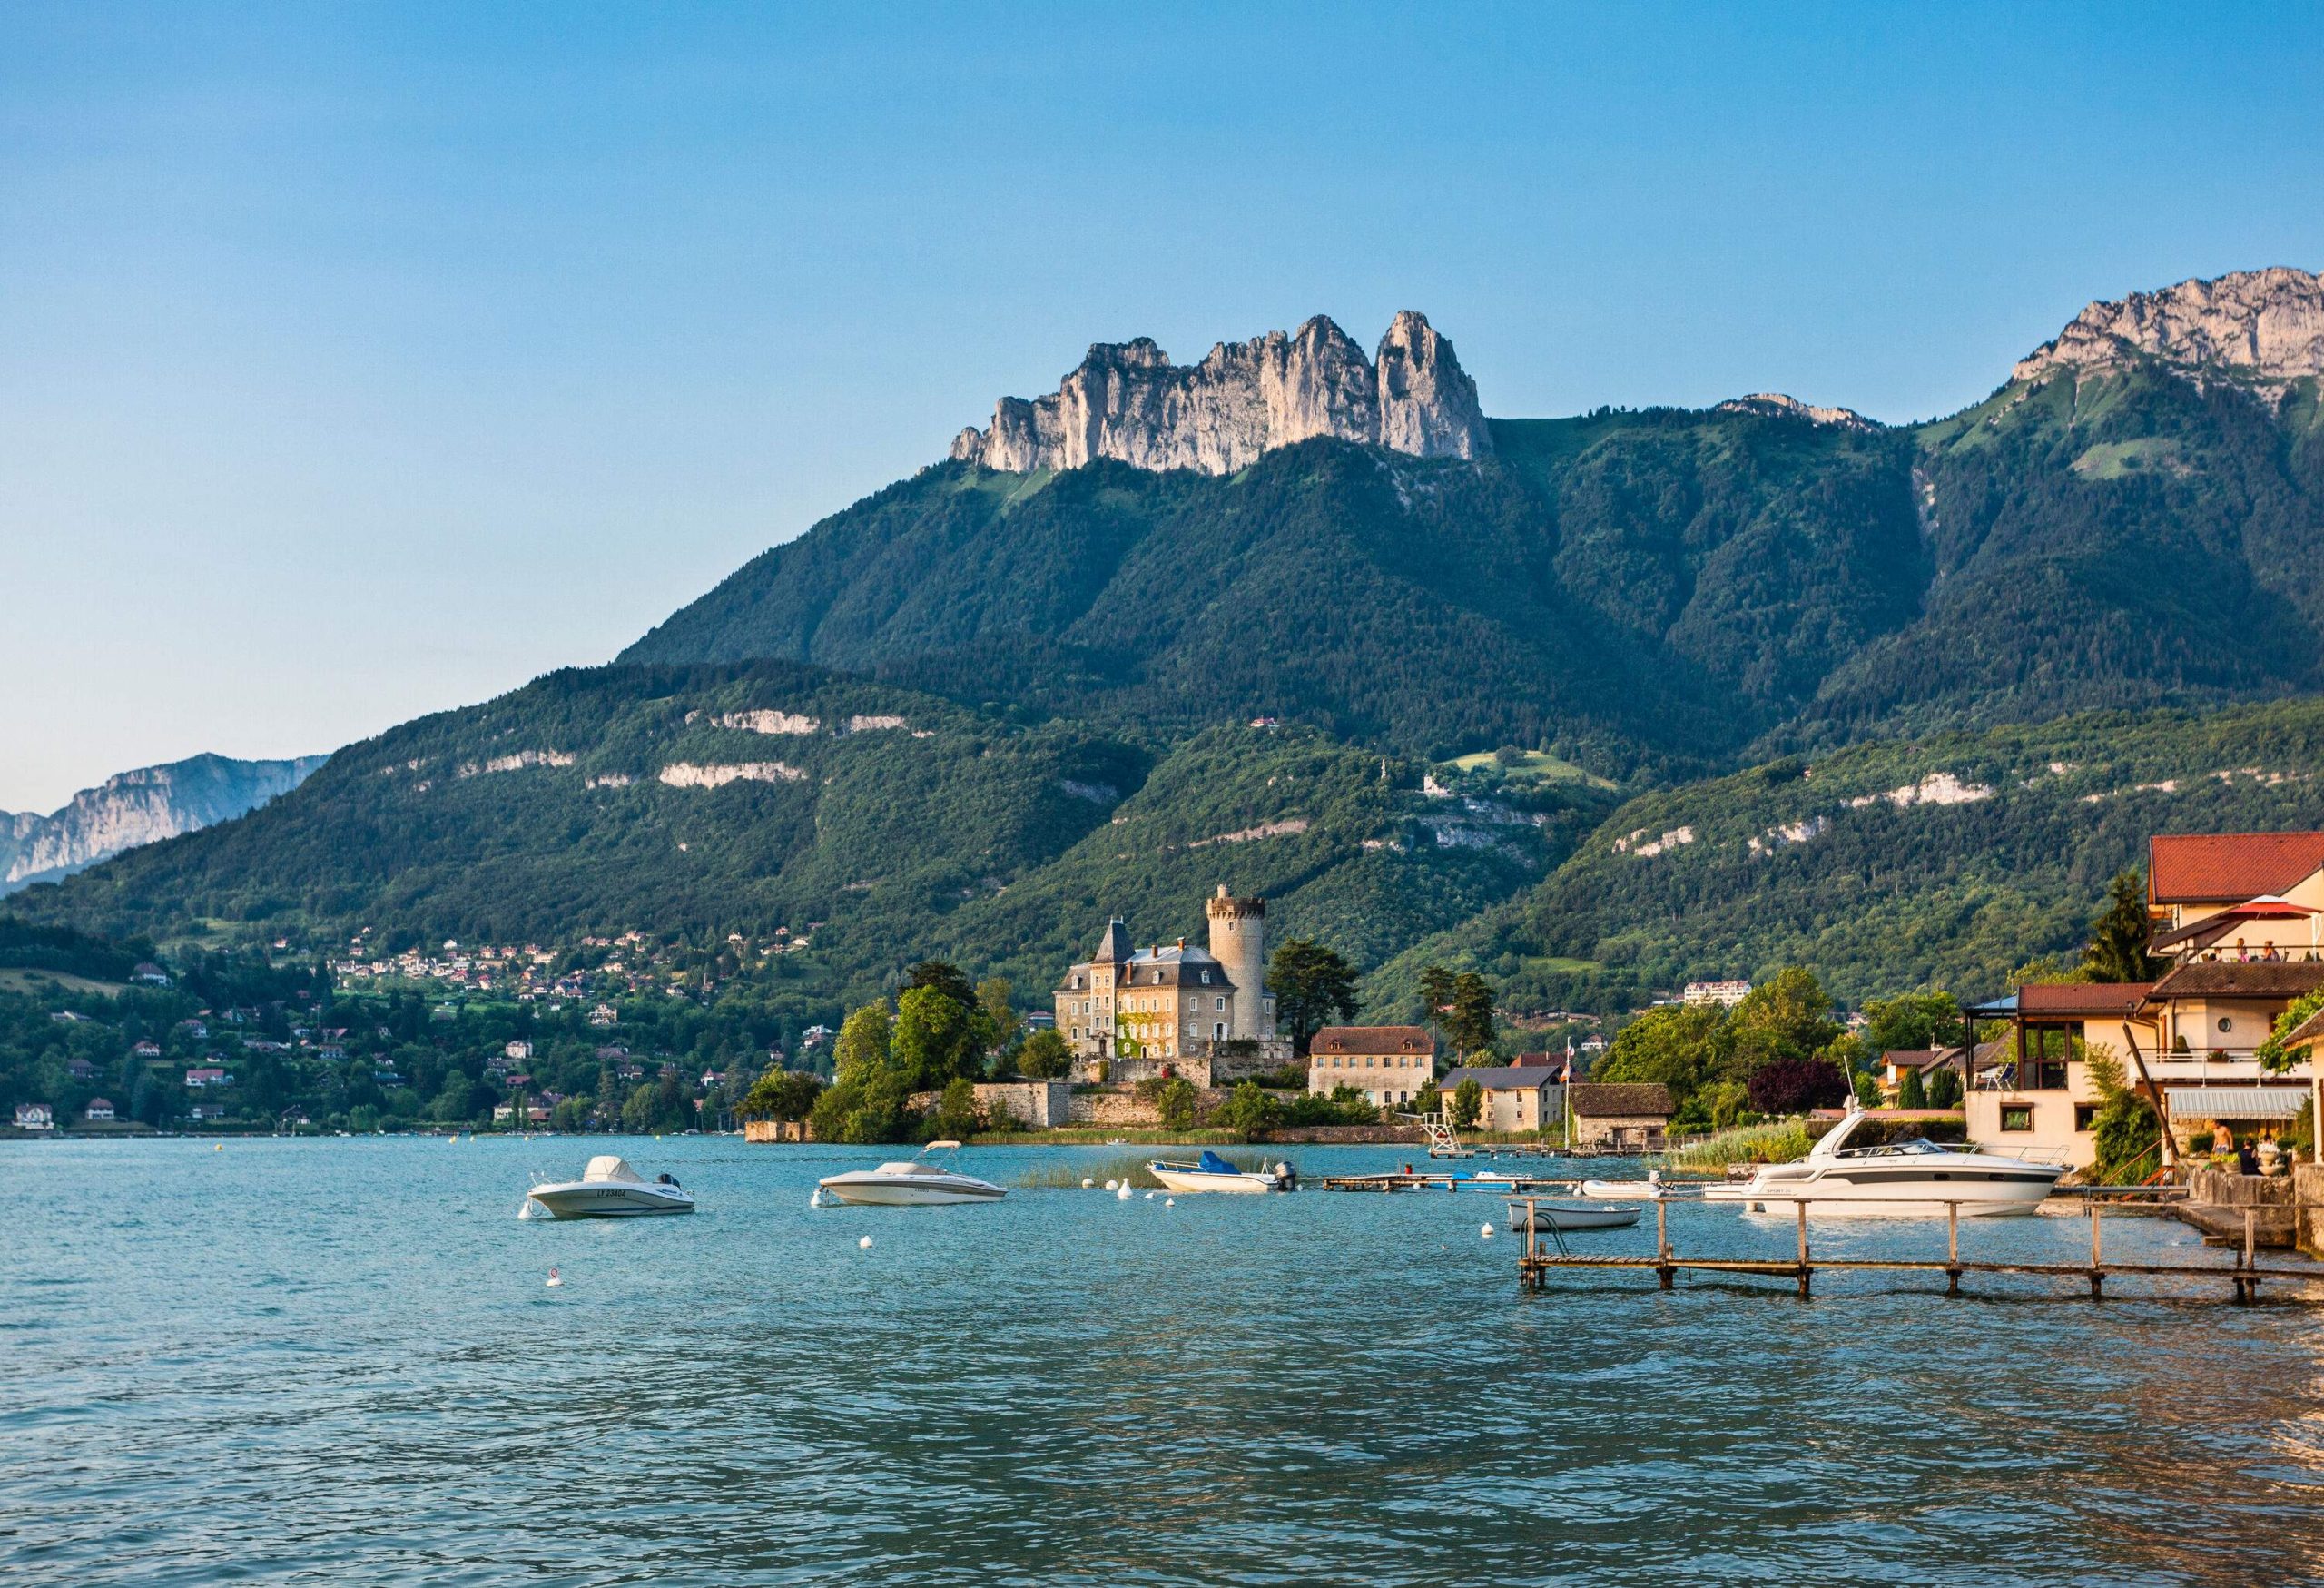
(1794, 1086)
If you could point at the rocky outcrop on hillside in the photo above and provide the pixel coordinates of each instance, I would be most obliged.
(132, 808)
(2267, 325)
(1776, 405)
(1127, 401)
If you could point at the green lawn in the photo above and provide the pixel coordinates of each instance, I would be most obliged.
(1537, 765)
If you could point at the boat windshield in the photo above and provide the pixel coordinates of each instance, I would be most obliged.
(1914, 1149)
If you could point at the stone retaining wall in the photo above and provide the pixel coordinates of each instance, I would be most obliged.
(2216, 1201)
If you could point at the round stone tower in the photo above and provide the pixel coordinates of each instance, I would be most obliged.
(1238, 940)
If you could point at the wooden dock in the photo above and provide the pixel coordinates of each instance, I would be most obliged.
(2243, 1275)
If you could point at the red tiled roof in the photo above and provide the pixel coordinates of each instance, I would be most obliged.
(2193, 868)
(1372, 1039)
(2082, 997)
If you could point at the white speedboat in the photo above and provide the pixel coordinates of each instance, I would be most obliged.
(916, 1182)
(1211, 1172)
(1915, 1179)
(610, 1188)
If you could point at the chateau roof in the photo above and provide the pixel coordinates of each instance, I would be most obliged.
(1114, 947)
(2198, 868)
(1361, 1040)
(1176, 965)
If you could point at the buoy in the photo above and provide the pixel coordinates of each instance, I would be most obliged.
(1169, 1201)
(865, 1244)
(1122, 1194)
(1109, 1185)
(815, 1197)
(555, 1283)
(1149, 1196)
(1087, 1182)
(1485, 1233)
(220, 1147)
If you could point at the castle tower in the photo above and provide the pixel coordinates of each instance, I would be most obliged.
(1238, 940)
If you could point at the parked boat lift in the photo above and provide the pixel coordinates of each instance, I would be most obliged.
(2244, 1275)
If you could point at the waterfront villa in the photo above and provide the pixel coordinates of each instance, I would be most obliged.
(1388, 1064)
(99, 1110)
(2236, 919)
(1517, 1097)
(35, 1117)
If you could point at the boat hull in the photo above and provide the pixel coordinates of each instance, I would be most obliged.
(1557, 1216)
(1830, 1197)
(593, 1200)
(873, 1191)
(1193, 1181)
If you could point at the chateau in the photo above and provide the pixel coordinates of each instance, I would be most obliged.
(1174, 1006)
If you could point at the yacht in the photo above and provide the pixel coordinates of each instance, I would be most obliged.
(1903, 1179)
(610, 1188)
(1211, 1172)
(917, 1182)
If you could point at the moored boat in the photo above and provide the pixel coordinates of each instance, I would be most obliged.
(1910, 1179)
(1211, 1172)
(610, 1188)
(916, 1182)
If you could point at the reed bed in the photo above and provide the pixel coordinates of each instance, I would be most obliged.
(1779, 1141)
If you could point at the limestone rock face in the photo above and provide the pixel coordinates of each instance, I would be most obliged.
(2268, 325)
(1127, 401)
(132, 808)
(1776, 405)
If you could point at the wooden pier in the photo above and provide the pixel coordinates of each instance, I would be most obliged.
(1443, 1181)
(2244, 1276)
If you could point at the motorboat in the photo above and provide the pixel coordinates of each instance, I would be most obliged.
(610, 1188)
(1211, 1172)
(1916, 1179)
(915, 1182)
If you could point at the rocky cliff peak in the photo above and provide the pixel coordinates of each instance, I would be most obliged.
(131, 808)
(1127, 401)
(2268, 324)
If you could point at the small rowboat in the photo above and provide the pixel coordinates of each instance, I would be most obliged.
(1563, 1215)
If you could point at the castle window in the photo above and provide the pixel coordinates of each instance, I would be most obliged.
(1205, 978)
(1222, 1004)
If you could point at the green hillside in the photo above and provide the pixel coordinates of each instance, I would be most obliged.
(1946, 863)
(1662, 593)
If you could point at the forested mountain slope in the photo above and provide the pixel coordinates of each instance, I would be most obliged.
(1947, 862)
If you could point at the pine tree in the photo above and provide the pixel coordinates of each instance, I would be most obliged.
(2118, 936)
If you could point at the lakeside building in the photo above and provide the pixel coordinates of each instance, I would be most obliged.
(1620, 1115)
(1517, 1097)
(1174, 1008)
(35, 1117)
(1725, 994)
(2237, 920)
(1390, 1065)
(100, 1109)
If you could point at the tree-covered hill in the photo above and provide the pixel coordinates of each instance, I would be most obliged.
(882, 824)
(1946, 863)
(1661, 593)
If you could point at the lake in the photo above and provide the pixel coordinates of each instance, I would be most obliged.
(338, 1361)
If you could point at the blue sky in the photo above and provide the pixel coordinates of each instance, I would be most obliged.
(360, 362)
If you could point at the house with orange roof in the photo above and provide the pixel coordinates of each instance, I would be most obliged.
(2236, 895)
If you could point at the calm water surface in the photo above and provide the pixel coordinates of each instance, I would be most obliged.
(336, 1361)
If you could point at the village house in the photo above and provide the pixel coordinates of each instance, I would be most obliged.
(35, 1117)
(1725, 994)
(1622, 1116)
(2236, 921)
(1517, 1097)
(99, 1111)
(147, 1049)
(207, 1075)
(1174, 1008)
(1390, 1065)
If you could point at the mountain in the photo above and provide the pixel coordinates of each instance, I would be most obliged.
(1129, 402)
(1663, 592)
(985, 708)
(1946, 861)
(878, 823)
(132, 808)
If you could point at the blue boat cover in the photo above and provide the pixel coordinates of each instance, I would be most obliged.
(1212, 1164)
